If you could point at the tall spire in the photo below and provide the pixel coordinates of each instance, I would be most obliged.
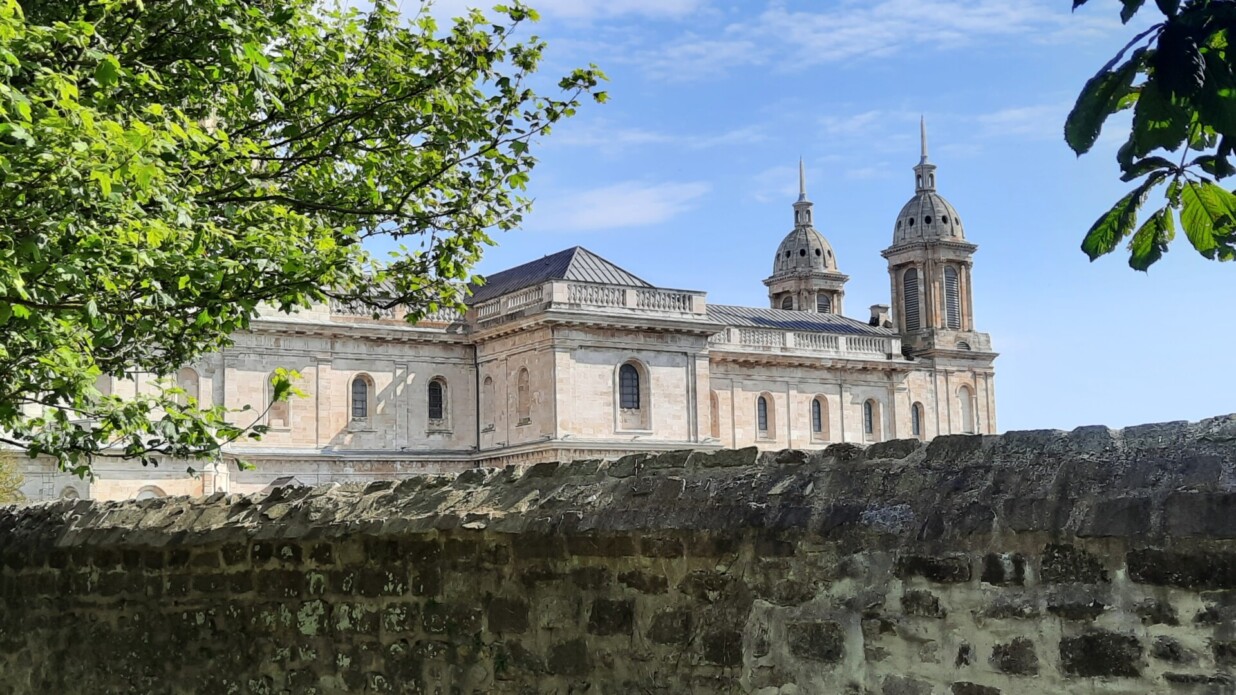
(922, 133)
(802, 206)
(925, 171)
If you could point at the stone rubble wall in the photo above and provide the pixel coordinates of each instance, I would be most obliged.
(1096, 561)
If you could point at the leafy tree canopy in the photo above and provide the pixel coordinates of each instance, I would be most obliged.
(169, 166)
(1179, 78)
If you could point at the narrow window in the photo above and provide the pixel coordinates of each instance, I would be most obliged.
(761, 415)
(916, 420)
(823, 304)
(714, 410)
(787, 303)
(872, 430)
(187, 380)
(965, 402)
(952, 299)
(360, 398)
(909, 284)
(524, 397)
(437, 400)
(628, 387)
(817, 417)
(488, 404)
(278, 414)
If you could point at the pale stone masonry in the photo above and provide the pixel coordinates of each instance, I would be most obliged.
(571, 357)
(1097, 562)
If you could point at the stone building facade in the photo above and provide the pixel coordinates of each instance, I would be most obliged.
(571, 357)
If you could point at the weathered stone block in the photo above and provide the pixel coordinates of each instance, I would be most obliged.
(965, 688)
(590, 578)
(897, 685)
(1066, 563)
(923, 604)
(1101, 653)
(1224, 652)
(816, 641)
(1210, 514)
(723, 648)
(1016, 658)
(1170, 649)
(1121, 517)
(1196, 570)
(1156, 612)
(1004, 569)
(569, 658)
(671, 626)
(507, 615)
(644, 582)
(949, 569)
(611, 617)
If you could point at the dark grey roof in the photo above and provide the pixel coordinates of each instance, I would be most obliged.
(576, 263)
(752, 317)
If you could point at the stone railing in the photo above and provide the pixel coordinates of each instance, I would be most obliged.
(339, 307)
(825, 344)
(566, 295)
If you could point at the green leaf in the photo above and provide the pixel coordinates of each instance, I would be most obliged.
(1208, 214)
(1150, 242)
(1141, 167)
(104, 179)
(107, 72)
(1118, 222)
(1158, 122)
(1130, 8)
(1168, 7)
(1099, 99)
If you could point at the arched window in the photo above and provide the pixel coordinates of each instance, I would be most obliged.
(761, 416)
(70, 493)
(823, 304)
(489, 405)
(916, 420)
(909, 285)
(871, 420)
(437, 400)
(965, 403)
(278, 412)
(523, 407)
(149, 492)
(714, 412)
(360, 397)
(787, 303)
(187, 380)
(819, 418)
(952, 299)
(628, 387)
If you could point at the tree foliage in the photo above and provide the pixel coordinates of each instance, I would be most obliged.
(1179, 78)
(167, 167)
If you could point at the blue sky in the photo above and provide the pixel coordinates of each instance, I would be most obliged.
(686, 178)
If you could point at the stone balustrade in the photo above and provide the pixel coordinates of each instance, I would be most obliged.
(830, 344)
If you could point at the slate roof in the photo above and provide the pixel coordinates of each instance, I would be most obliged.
(752, 317)
(576, 263)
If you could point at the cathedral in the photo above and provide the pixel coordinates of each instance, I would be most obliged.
(571, 357)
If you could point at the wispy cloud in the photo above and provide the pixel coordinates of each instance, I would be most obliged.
(617, 206)
(1041, 122)
(610, 138)
(582, 10)
(790, 40)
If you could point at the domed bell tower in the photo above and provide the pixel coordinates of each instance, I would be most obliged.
(929, 264)
(805, 275)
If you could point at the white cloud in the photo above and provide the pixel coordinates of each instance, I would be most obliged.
(612, 139)
(578, 10)
(793, 40)
(1042, 122)
(619, 205)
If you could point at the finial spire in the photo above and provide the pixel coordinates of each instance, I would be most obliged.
(922, 131)
(802, 180)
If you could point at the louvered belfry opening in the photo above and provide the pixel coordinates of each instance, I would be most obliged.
(823, 305)
(952, 299)
(910, 297)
